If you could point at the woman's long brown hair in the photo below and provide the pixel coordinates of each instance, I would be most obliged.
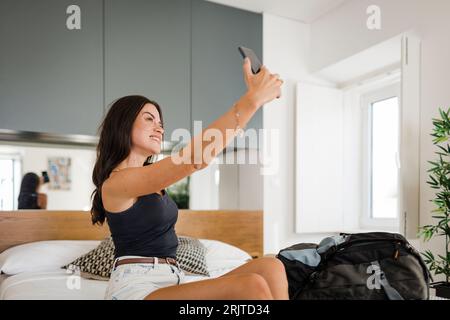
(114, 145)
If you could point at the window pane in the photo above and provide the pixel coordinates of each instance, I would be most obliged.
(6, 184)
(385, 135)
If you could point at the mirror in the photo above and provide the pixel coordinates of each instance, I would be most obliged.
(69, 170)
(70, 184)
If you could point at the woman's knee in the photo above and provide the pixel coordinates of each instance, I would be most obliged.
(274, 265)
(256, 286)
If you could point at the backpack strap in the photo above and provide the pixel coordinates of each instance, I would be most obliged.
(390, 291)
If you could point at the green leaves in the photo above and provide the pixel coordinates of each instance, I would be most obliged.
(439, 179)
(445, 151)
(179, 192)
(427, 232)
(441, 130)
(438, 265)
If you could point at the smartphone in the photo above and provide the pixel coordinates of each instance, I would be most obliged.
(256, 63)
(45, 176)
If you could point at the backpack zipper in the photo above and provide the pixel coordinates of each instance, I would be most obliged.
(397, 250)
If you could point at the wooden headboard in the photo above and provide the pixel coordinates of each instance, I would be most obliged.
(243, 229)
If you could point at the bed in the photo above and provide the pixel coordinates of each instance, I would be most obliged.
(35, 244)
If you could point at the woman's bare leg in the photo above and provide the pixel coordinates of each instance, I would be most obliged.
(249, 286)
(272, 270)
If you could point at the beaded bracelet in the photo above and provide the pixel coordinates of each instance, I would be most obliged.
(239, 130)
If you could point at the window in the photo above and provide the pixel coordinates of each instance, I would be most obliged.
(10, 177)
(383, 155)
(357, 144)
(381, 148)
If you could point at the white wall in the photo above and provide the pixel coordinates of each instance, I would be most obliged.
(343, 32)
(203, 190)
(251, 184)
(34, 159)
(319, 196)
(334, 37)
(238, 185)
(285, 51)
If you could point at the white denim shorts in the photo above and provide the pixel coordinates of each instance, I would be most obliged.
(134, 281)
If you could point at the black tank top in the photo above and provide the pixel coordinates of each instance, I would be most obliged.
(147, 228)
(28, 200)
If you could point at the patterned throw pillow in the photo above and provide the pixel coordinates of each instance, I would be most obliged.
(191, 255)
(97, 263)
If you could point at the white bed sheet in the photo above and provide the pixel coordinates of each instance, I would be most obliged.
(60, 285)
(2, 277)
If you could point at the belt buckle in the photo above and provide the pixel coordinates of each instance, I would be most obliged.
(171, 261)
(115, 263)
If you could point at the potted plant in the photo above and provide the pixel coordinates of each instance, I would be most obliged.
(439, 179)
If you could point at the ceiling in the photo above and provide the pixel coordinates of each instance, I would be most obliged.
(302, 10)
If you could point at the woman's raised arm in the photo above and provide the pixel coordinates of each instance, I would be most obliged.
(138, 181)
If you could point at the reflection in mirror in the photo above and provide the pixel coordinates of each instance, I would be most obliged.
(69, 169)
(224, 185)
(220, 185)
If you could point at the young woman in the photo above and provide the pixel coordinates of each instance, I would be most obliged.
(131, 196)
(29, 195)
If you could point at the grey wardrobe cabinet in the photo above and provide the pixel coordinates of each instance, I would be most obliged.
(180, 53)
(50, 76)
(147, 52)
(217, 78)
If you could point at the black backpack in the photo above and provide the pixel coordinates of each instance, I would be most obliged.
(362, 266)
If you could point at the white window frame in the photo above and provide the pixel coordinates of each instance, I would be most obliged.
(17, 174)
(366, 101)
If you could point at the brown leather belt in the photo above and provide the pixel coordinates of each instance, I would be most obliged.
(146, 260)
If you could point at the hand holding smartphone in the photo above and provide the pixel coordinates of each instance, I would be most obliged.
(254, 60)
(45, 177)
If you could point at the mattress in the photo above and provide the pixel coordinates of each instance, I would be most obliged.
(59, 285)
(33, 270)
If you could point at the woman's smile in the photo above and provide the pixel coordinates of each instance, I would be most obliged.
(155, 138)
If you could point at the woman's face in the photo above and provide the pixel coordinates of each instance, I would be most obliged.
(146, 135)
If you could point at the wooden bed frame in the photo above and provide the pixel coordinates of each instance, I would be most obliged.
(243, 229)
